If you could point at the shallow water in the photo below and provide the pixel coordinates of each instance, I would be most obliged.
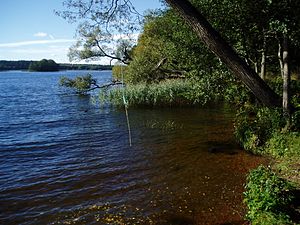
(66, 160)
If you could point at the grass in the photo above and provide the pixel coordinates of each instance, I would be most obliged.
(165, 93)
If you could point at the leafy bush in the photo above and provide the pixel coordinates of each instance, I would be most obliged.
(267, 197)
(255, 126)
(284, 145)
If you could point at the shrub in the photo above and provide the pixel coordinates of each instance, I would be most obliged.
(255, 126)
(267, 197)
(284, 145)
(295, 121)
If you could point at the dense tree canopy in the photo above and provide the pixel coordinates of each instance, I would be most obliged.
(14, 65)
(44, 65)
(255, 30)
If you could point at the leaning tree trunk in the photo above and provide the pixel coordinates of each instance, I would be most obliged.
(225, 52)
(286, 77)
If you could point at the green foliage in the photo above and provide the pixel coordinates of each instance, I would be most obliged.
(119, 73)
(81, 84)
(295, 121)
(254, 126)
(269, 218)
(267, 197)
(44, 65)
(277, 83)
(284, 144)
(166, 36)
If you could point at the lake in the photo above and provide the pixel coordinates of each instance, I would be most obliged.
(65, 159)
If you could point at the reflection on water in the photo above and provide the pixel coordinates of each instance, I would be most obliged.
(67, 161)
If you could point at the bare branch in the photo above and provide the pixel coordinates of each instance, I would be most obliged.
(107, 55)
(88, 8)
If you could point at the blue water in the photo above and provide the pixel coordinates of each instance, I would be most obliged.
(64, 159)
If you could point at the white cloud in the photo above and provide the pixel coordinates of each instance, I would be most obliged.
(40, 34)
(37, 42)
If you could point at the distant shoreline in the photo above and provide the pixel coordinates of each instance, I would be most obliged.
(23, 65)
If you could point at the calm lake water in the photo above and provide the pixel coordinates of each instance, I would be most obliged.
(66, 160)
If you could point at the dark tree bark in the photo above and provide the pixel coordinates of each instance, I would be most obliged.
(225, 52)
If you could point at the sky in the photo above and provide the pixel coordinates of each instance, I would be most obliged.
(30, 30)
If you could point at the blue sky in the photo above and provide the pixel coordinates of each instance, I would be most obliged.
(31, 31)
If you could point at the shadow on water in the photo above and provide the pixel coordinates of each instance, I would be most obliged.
(176, 220)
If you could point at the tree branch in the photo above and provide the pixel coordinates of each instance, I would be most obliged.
(96, 86)
(107, 55)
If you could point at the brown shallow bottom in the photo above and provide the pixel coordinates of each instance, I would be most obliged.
(184, 168)
(219, 205)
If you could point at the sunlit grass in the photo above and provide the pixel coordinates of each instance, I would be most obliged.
(166, 93)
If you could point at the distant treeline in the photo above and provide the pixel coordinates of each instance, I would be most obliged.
(24, 65)
(68, 66)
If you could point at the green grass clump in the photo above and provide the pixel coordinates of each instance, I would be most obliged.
(166, 93)
(267, 197)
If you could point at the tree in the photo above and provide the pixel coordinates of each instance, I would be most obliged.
(108, 28)
(115, 9)
(224, 51)
(95, 43)
(84, 84)
(44, 65)
(167, 48)
(284, 22)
